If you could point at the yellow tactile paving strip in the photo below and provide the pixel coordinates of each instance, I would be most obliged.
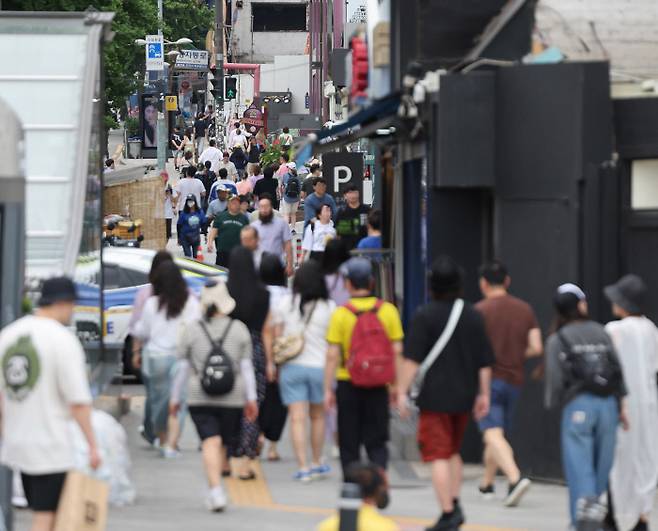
(255, 493)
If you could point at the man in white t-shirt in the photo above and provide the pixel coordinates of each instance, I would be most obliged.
(189, 185)
(212, 154)
(230, 168)
(238, 139)
(44, 385)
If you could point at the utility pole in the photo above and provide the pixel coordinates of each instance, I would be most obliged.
(219, 57)
(162, 117)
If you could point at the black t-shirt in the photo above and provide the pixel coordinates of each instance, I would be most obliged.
(200, 127)
(254, 154)
(452, 382)
(268, 186)
(352, 224)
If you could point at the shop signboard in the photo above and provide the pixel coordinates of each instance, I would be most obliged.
(253, 119)
(194, 60)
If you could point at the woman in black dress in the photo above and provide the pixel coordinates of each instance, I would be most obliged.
(252, 307)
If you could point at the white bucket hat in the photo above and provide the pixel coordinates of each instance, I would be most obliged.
(215, 292)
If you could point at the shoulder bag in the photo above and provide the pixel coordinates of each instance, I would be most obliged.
(288, 347)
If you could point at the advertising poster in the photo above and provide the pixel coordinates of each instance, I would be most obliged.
(149, 120)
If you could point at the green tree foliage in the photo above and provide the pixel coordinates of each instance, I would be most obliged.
(123, 61)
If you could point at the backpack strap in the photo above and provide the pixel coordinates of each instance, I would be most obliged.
(378, 304)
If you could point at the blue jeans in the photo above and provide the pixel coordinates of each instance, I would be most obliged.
(589, 433)
(190, 245)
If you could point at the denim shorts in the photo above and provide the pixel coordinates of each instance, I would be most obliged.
(504, 397)
(301, 384)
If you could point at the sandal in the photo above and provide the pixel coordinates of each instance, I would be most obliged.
(226, 473)
(273, 457)
(248, 477)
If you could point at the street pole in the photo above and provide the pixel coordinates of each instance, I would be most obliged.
(162, 117)
(219, 68)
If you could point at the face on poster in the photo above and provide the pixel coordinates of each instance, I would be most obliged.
(150, 120)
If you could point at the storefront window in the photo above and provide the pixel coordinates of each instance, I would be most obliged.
(644, 184)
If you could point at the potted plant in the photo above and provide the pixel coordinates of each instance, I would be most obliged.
(271, 155)
(131, 126)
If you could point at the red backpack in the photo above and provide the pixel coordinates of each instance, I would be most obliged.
(371, 361)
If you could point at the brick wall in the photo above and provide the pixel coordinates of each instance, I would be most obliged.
(622, 30)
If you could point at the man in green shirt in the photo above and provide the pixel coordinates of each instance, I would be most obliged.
(225, 232)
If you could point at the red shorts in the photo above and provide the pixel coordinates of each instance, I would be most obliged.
(440, 435)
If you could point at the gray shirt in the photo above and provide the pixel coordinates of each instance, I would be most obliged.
(195, 347)
(216, 207)
(558, 390)
(272, 236)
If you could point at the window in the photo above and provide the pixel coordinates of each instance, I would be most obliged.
(279, 17)
(644, 184)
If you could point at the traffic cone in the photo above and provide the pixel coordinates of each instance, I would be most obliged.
(199, 254)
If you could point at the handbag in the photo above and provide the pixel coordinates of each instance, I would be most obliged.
(83, 505)
(437, 349)
(288, 347)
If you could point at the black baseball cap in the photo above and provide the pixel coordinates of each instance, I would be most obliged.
(57, 289)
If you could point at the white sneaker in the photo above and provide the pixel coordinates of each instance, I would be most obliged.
(170, 453)
(216, 500)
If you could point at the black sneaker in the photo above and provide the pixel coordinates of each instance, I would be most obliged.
(488, 492)
(448, 521)
(516, 492)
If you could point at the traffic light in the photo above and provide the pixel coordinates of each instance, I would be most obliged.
(359, 68)
(216, 90)
(231, 88)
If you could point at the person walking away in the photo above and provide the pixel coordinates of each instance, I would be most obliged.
(135, 345)
(43, 386)
(374, 238)
(230, 168)
(176, 145)
(190, 222)
(255, 175)
(200, 130)
(455, 384)
(225, 231)
(217, 418)
(308, 185)
(202, 175)
(168, 211)
(352, 218)
(335, 255)
(584, 376)
(252, 308)
(254, 151)
(273, 233)
(244, 186)
(235, 129)
(306, 312)
(286, 139)
(218, 205)
(238, 139)
(314, 202)
(515, 335)
(291, 195)
(317, 234)
(212, 154)
(267, 185)
(284, 159)
(634, 473)
(239, 159)
(188, 144)
(273, 413)
(186, 186)
(356, 338)
(169, 309)
(373, 484)
(222, 181)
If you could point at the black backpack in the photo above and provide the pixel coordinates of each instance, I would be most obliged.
(293, 187)
(218, 375)
(591, 367)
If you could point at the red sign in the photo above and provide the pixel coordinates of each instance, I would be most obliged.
(253, 120)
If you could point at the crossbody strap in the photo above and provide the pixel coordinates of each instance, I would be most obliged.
(445, 336)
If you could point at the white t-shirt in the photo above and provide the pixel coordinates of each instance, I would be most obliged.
(187, 186)
(316, 239)
(287, 313)
(229, 167)
(43, 374)
(238, 140)
(212, 154)
(160, 333)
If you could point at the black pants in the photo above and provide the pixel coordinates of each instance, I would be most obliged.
(273, 414)
(363, 417)
(168, 225)
(222, 258)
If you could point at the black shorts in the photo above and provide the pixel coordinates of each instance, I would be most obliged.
(43, 492)
(212, 421)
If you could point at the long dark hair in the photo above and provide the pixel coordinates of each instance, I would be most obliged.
(170, 289)
(159, 258)
(309, 284)
(246, 287)
(335, 255)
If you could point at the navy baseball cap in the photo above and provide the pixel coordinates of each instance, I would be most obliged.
(358, 270)
(57, 289)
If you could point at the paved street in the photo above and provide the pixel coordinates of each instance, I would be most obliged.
(170, 494)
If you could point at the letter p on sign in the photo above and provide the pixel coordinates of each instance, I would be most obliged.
(337, 179)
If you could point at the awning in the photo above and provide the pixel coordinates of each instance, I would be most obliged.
(379, 115)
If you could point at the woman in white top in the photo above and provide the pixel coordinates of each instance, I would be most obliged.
(317, 234)
(307, 311)
(634, 474)
(164, 314)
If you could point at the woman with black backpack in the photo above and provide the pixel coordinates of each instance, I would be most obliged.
(220, 345)
(584, 376)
